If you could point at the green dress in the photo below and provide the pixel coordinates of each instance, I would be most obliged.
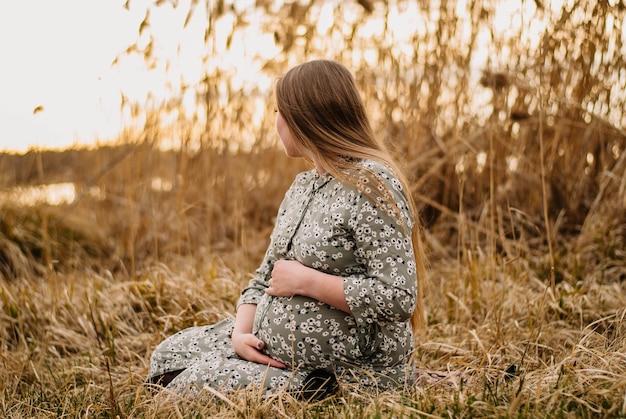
(335, 228)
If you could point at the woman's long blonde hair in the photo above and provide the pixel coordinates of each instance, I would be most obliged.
(321, 104)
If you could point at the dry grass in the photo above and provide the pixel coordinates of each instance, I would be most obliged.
(75, 342)
(521, 178)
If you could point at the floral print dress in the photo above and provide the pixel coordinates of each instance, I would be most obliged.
(335, 228)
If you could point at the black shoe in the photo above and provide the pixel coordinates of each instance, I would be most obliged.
(164, 379)
(318, 385)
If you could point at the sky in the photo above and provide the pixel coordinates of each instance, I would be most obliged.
(58, 87)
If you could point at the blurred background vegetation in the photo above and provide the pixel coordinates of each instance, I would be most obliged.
(509, 119)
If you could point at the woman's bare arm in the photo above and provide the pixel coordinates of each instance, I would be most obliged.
(247, 345)
(290, 277)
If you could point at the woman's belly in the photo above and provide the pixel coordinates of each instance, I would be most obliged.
(303, 332)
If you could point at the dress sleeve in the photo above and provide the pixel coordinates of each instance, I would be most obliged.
(259, 282)
(386, 291)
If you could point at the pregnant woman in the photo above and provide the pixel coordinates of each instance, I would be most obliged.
(336, 298)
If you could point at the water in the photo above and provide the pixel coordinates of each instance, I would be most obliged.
(64, 193)
(52, 194)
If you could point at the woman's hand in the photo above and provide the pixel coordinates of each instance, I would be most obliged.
(247, 345)
(290, 277)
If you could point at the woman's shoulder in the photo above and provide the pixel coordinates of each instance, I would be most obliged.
(306, 177)
(376, 166)
(303, 181)
(300, 186)
(386, 175)
(381, 170)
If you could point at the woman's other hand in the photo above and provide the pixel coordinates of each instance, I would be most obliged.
(249, 347)
(246, 344)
